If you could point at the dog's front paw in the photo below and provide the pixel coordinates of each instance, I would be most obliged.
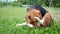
(30, 25)
(40, 20)
(36, 18)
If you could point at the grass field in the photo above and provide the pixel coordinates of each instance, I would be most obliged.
(9, 17)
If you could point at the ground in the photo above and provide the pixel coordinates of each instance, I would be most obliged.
(10, 16)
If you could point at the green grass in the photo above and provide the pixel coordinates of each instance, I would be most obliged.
(9, 17)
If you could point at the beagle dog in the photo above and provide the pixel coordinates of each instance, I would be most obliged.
(37, 16)
(31, 17)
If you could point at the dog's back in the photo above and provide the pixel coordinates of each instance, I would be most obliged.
(38, 7)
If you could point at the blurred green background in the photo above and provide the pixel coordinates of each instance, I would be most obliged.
(13, 12)
(18, 3)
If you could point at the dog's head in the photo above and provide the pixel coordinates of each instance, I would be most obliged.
(30, 16)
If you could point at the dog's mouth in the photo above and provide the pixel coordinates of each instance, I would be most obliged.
(35, 22)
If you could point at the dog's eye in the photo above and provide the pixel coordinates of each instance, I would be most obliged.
(29, 17)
